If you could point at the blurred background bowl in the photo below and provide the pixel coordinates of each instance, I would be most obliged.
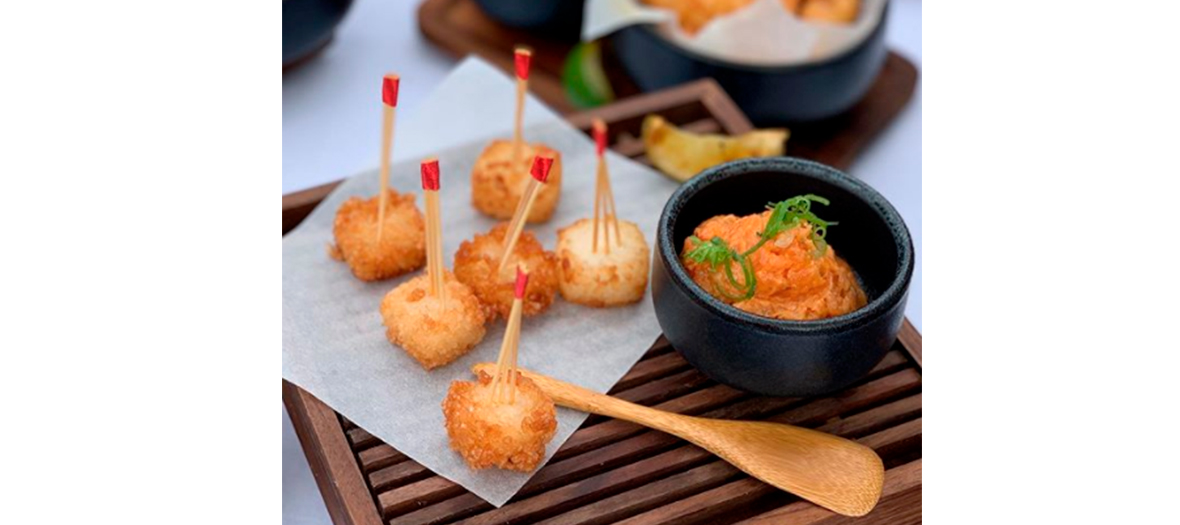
(768, 95)
(772, 356)
(308, 26)
(561, 18)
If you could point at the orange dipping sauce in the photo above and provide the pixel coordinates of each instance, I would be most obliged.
(792, 282)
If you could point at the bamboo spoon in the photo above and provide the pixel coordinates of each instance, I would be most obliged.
(832, 472)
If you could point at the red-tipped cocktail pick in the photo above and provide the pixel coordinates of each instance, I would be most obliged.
(523, 57)
(434, 266)
(541, 167)
(522, 282)
(599, 137)
(389, 87)
(430, 174)
(604, 199)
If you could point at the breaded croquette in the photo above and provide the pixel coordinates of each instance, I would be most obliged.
(403, 242)
(507, 435)
(496, 185)
(433, 332)
(477, 260)
(602, 279)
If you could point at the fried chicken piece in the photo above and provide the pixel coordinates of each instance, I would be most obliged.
(487, 433)
(497, 183)
(477, 260)
(602, 279)
(433, 331)
(403, 242)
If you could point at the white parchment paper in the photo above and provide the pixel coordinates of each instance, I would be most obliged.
(762, 33)
(334, 343)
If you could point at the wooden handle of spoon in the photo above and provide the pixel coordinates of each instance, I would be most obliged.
(830, 471)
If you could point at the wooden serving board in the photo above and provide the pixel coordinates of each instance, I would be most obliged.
(610, 471)
(461, 28)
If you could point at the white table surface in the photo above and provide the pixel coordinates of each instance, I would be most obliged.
(331, 131)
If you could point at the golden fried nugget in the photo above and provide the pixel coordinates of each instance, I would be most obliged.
(602, 279)
(403, 242)
(477, 260)
(496, 186)
(432, 331)
(832, 11)
(486, 433)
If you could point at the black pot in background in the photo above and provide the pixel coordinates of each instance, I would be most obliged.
(768, 95)
(771, 356)
(308, 26)
(561, 18)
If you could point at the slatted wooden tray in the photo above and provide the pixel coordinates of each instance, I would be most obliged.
(611, 471)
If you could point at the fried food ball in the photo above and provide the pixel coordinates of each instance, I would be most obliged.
(433, 332)
(602, 279)
(403, 242)
(486, 433)
(496, 185)
(477, 260)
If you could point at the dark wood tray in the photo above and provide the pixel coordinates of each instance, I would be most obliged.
(461, 28)
(611, 471)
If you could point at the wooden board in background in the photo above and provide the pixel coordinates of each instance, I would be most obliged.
(461, 28)
(612, 471)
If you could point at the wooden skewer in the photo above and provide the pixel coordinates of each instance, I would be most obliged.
(523, 56)
(504, 382)
(389, 87)
(430, 186)
(610, 200)
(604, 198)
(540, 174)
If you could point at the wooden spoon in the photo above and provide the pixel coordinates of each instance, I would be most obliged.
(832, 472)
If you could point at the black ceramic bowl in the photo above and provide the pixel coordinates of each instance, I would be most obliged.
(772, 356)
(768, 95)
(308, 25)
(551, 17)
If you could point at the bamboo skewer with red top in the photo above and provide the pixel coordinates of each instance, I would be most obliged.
(523, 56)
(604, 198)
(540, 175)
(506, 371)
(434, 265)
(389, 87)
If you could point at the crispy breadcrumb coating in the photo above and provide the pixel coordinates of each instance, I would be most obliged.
(403, 242)
(602, 279)
(433, 332)
(477, 260)
(509, 436)
(496, 187)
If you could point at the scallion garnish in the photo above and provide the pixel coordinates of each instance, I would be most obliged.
(784, 216)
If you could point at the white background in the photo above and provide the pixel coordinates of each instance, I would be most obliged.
(138, 282)
(331, 130)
